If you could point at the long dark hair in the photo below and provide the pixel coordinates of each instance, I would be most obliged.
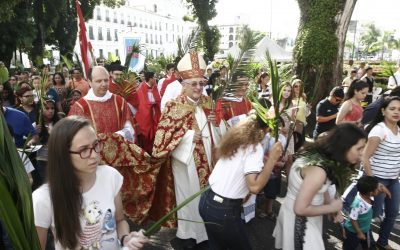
(63, 183)
(355, 85)
(379, 116)
(338, 142)
(10, 97)
(62, 78)
(44, 133)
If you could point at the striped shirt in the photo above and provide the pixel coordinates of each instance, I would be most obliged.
(385, 162)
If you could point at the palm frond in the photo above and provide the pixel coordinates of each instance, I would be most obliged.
(16, 212)
(4, 76)
(157, 225)
(68, 63)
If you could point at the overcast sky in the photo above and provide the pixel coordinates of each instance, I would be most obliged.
(282, 16)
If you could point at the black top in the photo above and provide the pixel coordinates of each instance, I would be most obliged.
(372, 110)
(325, 108)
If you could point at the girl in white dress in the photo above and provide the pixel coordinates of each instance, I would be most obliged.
(326, 162)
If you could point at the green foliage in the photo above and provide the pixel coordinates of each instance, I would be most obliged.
(157, 225)
(388, 69)
(4, 76)
(316, 41)
(16, 212)
(369, 36)
(203, 11)
(159, 64)
(210, 38)
(7, 10)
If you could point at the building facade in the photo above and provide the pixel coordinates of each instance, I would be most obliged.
(156, 24)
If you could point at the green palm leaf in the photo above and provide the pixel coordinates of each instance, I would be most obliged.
(156, 226)
(16, 211)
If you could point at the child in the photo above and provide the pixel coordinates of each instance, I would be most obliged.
(357, 226)
(273, 186)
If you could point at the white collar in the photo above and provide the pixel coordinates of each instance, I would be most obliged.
(233, 98)
(194, 102)
(92, 97)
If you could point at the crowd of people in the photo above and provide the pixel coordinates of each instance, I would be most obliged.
(113, 149)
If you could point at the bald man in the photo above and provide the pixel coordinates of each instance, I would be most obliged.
(109, 113)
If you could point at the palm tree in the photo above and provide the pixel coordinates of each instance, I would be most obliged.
(369, 36)
(384, 43)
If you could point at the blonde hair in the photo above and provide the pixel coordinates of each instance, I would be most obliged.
(249, 132)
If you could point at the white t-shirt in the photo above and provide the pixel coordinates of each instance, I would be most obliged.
(228, 178)
(98, 211)
(385, 162)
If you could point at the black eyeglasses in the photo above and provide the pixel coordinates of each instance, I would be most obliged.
(87, 152)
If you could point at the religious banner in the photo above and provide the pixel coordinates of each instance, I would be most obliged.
(137, 60)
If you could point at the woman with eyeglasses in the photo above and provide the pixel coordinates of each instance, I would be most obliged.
(81, 201)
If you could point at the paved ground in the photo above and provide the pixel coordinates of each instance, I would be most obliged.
(260, 233)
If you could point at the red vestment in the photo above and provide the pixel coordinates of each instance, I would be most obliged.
(226, 109)
(147, 116)
(166, 82)
(177, 118)
(107, 117)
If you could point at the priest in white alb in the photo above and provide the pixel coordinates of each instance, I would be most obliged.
(186, 136)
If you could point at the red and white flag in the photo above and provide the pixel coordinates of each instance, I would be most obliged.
(84, 44)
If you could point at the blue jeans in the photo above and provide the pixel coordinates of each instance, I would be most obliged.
(391, 208)
(224, 226)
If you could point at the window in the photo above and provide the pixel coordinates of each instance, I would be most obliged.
(101, 53)
(107, 15)
(230, 44)
(122, 19)
(166, 26)
(108, 35)
(173, 27)
(155, 26)
(140, 23)
(230, 30)
(159, 25)
(98, 14)
(156, 39)
(173, 38)
(160, 39)
(134, 21)
(117, 52)
(151, 25)
(91, 35)
(155, 8)
(115, 35)
(151, 38)
(115, 17)
(129, 20)
(145, 24)
(100, 34)
(166, 38)
(230, 37)
(147, 38)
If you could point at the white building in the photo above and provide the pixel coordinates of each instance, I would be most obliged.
(229, 37)
(156, 23)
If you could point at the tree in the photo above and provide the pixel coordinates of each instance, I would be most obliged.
(369, 37)
(204, 10)
(384, 43)
(31, 24)
(17, 33)
(320, 42)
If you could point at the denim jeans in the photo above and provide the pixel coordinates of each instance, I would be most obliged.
(224, 226)
(391, 208)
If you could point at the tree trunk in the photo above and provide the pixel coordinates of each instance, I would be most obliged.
(319, 48)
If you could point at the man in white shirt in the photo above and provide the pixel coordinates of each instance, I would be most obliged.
(394, 80)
